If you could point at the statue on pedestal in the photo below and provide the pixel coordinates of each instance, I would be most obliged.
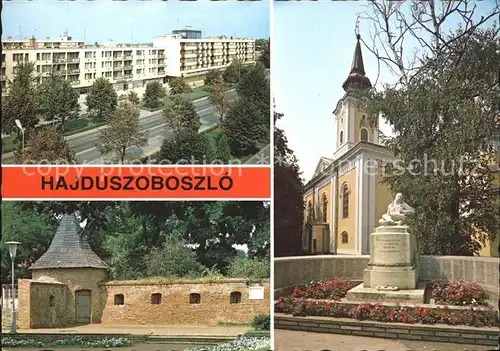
(396, 212)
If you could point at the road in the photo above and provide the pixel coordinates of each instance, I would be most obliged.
(83, 144)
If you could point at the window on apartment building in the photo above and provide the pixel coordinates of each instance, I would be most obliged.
(38, 56)
(88, 76)
(119, 300)
(345, 201)
(138, 52)
(194, 298)
(235, 297)
(156, 299)
(345, 238)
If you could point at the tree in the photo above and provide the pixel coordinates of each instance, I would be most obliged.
(122, 132)
(241, 128)
(34, 230)
(212, 77)
(48, 146)
(173, 259)
(20, 103)
(102, 98)
(133, 98)
(180, 115)
(265, 57)
(220, 98)
(254, 88)
(223, 153)
(289, 194)
(444, 108)
(186, 147)
(233, 72)
(249, 268)
(154, 92)
(57, 100)
(178, 86)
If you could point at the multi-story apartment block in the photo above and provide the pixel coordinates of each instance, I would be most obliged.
(126, 66)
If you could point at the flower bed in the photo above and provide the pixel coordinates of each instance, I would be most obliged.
(472, 316)
(79, 341)
(240, 344)
(458, 293)
(331, 289)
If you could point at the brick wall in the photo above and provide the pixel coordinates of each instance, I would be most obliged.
(452, 334)
(175, 307)
(291, 271)
(77, 279)
(35, 310)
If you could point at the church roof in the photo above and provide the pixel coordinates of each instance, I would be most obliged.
(356, 78)
(68, 249)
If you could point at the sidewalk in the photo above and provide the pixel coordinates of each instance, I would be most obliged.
(160, 330)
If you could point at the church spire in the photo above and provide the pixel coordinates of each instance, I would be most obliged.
(357, 78)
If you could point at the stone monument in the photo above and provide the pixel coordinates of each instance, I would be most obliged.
(392, 271)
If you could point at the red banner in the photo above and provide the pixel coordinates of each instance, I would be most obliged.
(135, 182)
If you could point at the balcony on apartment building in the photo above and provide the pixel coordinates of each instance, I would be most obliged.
(161, 55)
(118, 58)
(73, 59)
(74, 71)
(74, 82)
(117, 68)
(4, 64)
(127, 67)
(59, 60)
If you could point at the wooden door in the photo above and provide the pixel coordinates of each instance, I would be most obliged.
(82, 306)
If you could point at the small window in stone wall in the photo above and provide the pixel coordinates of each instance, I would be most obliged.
(119, 300)
(194, 298)
(52, 301)
(235, 297)
(155, 299)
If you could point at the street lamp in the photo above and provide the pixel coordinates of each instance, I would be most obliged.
(12, 251)
(20, 126)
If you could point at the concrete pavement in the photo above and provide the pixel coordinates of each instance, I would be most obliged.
(287, 340)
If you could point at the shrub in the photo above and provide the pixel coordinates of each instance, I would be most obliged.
(458, 293)
(262, 322)
(249, 268)
(324, 289)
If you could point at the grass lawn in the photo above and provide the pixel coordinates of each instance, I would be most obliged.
(9, 143)
(197, 93)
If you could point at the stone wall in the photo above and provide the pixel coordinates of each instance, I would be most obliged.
(175, 306)
(291, 271)
(42, 304)
(77, 279)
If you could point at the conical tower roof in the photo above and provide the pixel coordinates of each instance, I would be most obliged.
(357, 78)
(68, 249)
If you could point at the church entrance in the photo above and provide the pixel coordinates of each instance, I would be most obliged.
(82, 306)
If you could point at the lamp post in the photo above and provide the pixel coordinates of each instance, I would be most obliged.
(12, 251)
(20, 126)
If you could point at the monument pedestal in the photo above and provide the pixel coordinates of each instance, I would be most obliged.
(392, 272)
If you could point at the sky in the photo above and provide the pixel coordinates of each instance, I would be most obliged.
(312, 50)
(133, 21)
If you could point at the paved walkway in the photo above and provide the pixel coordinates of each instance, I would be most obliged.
(286, 340)
(163, 330)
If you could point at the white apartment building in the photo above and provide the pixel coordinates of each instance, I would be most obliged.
(126, 66)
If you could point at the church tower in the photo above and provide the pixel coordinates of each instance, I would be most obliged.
(352, 124)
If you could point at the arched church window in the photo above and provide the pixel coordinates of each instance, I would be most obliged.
(345, 201)
(363, 134)
(309, 211)
(324, 211)
(345, 238)
(341, 137)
